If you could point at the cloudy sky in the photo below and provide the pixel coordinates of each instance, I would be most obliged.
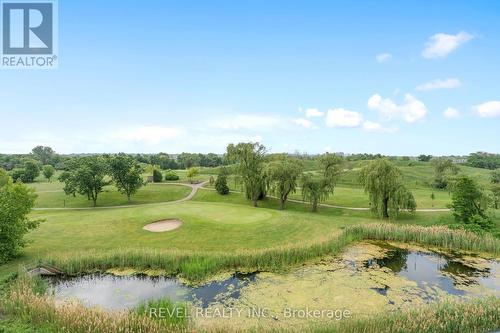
(394, 77)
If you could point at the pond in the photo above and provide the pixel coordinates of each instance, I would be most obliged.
(367, 278)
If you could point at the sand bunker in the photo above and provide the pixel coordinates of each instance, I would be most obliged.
(162, 226)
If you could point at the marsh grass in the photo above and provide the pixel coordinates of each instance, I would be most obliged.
(197, 266)
(26, 305)
(478, 315)
(164, 310)
(439, 236)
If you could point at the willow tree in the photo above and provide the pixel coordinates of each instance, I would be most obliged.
(316, 189)
(382, 181)
(442, 169)
(250, 159)
(282, 178)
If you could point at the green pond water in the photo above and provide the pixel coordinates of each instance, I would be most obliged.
(367, 278)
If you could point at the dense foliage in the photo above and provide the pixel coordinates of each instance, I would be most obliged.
(157, 176)
(250, 159)
(126, 174)
(383, 182)
(16, 201)
(469, 205)
(444, 169)
(86, 176)
(171, 175)
(484, 160)
(221, 184)
(282, 178)
(317, 188)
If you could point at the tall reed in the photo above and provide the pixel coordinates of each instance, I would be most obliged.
(197, 266)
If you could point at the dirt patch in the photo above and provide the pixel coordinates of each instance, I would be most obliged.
(163, 226)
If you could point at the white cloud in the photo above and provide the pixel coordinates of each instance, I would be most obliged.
(488, 110)
(371, 126)
(304, 122)
(440, 45)
(440, 84)
(411, 110)
(248, 122)
(147, 134)
(451, 113)
(310, 113)
(383, 57)
(343, 118)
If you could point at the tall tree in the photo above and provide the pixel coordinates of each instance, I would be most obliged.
(316, 189)
(16, 201)
(282, 178)
(441, 167)
(48, 171)
(381, 179)
(44, 155)
(126, 174)
(191, 173)
(469, 204)
(221, 182)
(86, 176)
(250, 158)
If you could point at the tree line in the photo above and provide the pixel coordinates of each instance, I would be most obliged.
(381, 179)
(90, 174)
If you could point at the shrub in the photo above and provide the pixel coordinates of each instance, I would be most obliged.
(469, 205)
(157, 176)
(171, 175)
(221, 184)
(16, 201)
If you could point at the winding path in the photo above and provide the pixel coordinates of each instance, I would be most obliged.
(194, 190)
(344, 207)
(196, 187)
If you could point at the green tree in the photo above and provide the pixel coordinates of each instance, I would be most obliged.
(442, 168)
(495, 176)
(250, 158)
(171, 175)
(126, 174)
(48, 171)
(495, 190)
(469, 204)
(31, 171)
(191, 173)
(45, 155)
(424, 158)
(432, 198)
(157, 176)
(381, 179)
(86, 176)
(221, 183)
(283, 177)
(16, 201)
(316, 189)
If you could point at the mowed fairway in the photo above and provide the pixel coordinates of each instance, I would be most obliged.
(52, 196)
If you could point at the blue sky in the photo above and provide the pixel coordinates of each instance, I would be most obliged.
(351, 76)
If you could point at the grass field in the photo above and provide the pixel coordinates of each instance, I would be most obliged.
(218, 232)
(151, 193)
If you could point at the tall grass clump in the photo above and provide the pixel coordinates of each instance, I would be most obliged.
(73, 317)
(439, 236)
(478, 315)
(196, 266)
(164, 310)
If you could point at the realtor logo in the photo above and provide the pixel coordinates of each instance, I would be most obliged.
(29, 38)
